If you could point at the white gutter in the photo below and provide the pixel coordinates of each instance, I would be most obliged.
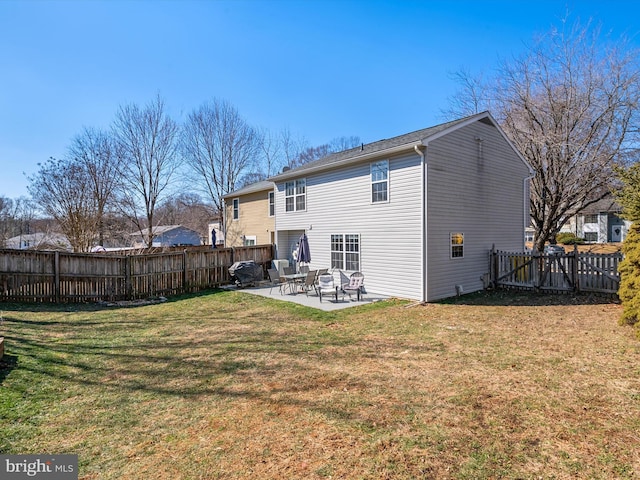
(420, 150)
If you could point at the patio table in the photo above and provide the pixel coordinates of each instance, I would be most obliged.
(293, 279)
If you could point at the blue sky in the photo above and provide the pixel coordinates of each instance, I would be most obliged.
(322, 69)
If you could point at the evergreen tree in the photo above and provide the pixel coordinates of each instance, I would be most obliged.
(629, 268)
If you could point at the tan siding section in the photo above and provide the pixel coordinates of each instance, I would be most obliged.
(254, 219)
(480, 194)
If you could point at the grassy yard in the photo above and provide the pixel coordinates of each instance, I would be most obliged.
(228, 385)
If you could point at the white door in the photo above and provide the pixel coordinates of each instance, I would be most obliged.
(616, 233)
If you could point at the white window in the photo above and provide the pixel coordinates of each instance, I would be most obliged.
(250, 240)
(345, 252)
(380, 181)
(236, 208)
(591, 218)
(295, 195)
(457, 245)
(272, 204)
(591, 237)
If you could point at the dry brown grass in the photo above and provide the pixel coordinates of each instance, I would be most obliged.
(233, 386)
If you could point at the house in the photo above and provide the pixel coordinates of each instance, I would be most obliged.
(600, 222)
(249, 215)
(39, 241)
(168, 236)
(417, 214)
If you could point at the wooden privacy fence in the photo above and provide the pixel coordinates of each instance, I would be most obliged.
(569, 272)
(59, 277)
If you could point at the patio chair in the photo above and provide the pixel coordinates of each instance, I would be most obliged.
(274, 279)
(309, 282)
(326, 286)
(355, 286)
(319, 272)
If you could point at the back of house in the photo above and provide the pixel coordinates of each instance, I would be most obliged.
(417, 213)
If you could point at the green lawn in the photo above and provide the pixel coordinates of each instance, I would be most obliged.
(229, 385)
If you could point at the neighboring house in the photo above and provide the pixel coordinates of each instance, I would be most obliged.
(40, 241)
(168, 236)
(249, 215)
(417, 214)
(599, 223)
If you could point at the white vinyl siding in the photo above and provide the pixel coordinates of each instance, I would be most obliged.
(478, 192)
(340, 202)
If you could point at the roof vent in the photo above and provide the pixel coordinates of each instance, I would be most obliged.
(286, 168)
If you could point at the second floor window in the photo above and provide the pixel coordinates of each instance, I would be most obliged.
(380, 181)
(295, 195)
(272, 204)
(236, 208)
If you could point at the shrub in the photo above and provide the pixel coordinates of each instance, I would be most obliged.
(629, 269)
(567, 238)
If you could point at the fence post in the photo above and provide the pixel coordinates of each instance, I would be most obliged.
(184, 270)
(56, 276)
(574, 269)
(535, 264)
(493, 267)
(128, 286)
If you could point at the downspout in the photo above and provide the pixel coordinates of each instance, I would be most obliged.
(420, 150)
(526, 204)
(224, 222)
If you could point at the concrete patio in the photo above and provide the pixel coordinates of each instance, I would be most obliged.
(312, 300)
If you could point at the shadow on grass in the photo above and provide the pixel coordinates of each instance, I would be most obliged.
(7, 363)
(529, 298)
(100, 306)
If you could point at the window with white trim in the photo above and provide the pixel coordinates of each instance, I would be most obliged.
(295, 195)
(591, 218)
(250, 240)
(457, 245)
(272, 204)
(590, 237)
(345, 252)
(236, 208)
(380, 181)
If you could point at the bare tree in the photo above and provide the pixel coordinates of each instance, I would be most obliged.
(569, 105)
(146, 139)
(220, 147)
(16, 216)
(310, 154)
(96, 151)
(62, 189)
(272, 152)
(189, 210)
